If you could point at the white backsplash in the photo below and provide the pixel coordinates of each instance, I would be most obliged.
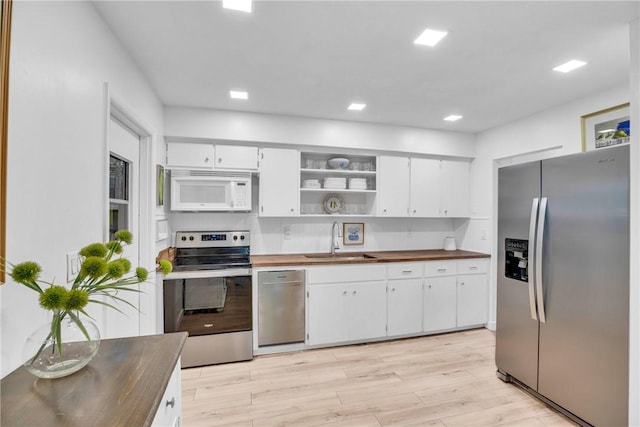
(304, 235)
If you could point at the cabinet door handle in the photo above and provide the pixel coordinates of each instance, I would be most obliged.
(219, 159)
(407, 271)
(354, 292)
(171, 402)
(473, 267)
(344, 292)
(429, 286)
(461, 283)
(442, 270)
(206, 160)
(393, 289)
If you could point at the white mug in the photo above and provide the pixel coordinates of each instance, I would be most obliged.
(449, 244)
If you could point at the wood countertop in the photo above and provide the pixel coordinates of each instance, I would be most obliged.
(122, 386)
(366, 257)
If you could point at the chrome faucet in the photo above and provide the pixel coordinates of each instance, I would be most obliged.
(335, 234)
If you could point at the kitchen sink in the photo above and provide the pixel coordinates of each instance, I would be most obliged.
(341, 256)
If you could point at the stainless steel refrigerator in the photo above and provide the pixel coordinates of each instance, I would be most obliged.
(563, 282)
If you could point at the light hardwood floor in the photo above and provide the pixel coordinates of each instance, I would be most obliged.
(442, 380)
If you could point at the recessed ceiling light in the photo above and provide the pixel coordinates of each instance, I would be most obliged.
(569, 66)
(452, 118)
(356, 106)
(238, 94)
(241, 5)
(430, 37)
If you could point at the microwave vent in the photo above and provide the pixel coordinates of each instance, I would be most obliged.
(189, 173)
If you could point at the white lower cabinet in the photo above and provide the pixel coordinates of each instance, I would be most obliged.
(404, 298)
(404, 307)
(472, 292)
(439, 303)
(346, 303)
(371, 301)
(169, 412)
(346, 312)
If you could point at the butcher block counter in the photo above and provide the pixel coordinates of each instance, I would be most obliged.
(258, 261)
(122, 386)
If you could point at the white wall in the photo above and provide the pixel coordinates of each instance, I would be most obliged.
(61, 56)
(195, 123)
(308, 235)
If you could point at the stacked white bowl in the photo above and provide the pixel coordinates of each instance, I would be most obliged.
(357, 183)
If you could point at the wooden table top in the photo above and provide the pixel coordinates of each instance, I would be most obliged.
(122, 386)
(258, 261)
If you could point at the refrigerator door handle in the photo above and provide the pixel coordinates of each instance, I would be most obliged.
(539, 247)
(532, 236)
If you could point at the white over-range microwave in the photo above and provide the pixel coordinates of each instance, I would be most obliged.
(210, 191)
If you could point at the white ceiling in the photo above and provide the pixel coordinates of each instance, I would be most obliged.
(312, 58)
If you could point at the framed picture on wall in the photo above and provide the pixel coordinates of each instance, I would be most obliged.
(353, 233)
(606, 128)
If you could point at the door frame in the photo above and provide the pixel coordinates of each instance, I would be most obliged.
(119, 109)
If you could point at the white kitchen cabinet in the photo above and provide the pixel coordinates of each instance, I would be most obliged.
(393, 186)
(366, 307)
(189, 156)
(439, 303)
(327, 314)
(404, 307)
(169, 413)
(346, 312)
(472, 293)
(346, 303)
(236, 157)
(404, 298)
(425, 187)
(279, 190)
(455, 189)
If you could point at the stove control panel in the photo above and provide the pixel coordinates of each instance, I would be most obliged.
(207, 239)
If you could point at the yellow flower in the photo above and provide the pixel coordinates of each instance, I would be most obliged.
(26, 272)
(54, 298)
(93, 267)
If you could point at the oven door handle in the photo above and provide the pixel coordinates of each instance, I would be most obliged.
(205, 274)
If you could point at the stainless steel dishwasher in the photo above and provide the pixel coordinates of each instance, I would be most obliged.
(281, 306)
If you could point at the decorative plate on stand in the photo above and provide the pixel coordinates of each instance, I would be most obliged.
(333, 204)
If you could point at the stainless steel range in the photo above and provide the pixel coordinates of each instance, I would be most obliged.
(208, 295)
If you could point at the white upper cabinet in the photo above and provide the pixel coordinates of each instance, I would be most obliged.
(189, 156)
(455, 188)
(393, 186)
(236, 157)
(279, 190)
(422, 187)
(426, 184)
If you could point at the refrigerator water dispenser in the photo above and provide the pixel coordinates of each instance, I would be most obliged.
(516, 259)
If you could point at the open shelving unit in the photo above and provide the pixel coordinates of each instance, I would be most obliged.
(354, 202)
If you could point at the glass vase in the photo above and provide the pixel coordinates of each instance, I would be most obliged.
(44, 358)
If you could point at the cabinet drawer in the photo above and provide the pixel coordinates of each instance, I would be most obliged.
(349, 273)
(473, 266)
(405, 270)
(440, 268)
